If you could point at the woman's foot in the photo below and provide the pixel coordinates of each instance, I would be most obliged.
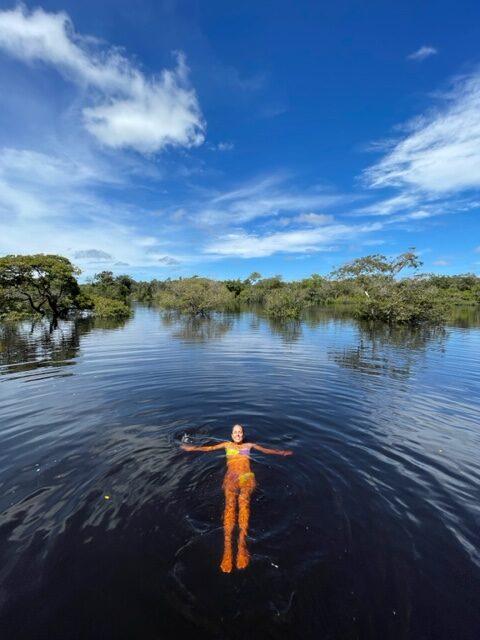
(243, 557)
(227, 561)
(227, 564)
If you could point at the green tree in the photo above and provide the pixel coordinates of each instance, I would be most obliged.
(405, 301)
(44, 283)
(286, 302)
(195, 296)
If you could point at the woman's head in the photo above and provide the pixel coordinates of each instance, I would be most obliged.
(237, 433)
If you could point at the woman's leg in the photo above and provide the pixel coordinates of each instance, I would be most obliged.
(228, 525)
(246, 490)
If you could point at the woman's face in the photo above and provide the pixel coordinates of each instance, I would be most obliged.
(237, 434)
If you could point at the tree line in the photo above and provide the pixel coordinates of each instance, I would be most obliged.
(373, 287)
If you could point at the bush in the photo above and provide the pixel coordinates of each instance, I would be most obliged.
(287, 302)
(109, 308)
(410, 301)
(195, 296)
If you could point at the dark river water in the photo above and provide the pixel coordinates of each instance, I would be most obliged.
(109, 530)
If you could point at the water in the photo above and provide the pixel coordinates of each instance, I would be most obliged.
(109, 530)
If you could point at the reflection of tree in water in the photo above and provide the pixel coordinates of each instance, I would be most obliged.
(29, 345)
(321, 315)
(464, 317)
(383, 349)
(289, 330)
(196, 329)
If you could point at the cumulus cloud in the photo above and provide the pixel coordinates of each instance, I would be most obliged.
(440, 153)
(128, 110)
(423, 53)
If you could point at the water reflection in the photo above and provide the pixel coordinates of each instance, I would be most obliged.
(194, 329)
(464, 317)
(28, 345)
(385, 350)
(289, 330)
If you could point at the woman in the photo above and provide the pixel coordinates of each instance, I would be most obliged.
(239, 481)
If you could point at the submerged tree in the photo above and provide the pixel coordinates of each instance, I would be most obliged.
(195, 296)
(46, 284)
(406, 301)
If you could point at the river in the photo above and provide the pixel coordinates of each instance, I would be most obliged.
(369, 531)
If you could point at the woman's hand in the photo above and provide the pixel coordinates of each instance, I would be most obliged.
(287, 452)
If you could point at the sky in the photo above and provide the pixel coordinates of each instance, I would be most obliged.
(162, 138)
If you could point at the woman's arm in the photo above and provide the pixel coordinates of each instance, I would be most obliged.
(276, 452)
(211, 447)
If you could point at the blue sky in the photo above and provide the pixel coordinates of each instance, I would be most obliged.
(166, 139)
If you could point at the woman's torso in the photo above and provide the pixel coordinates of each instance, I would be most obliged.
(238, 457)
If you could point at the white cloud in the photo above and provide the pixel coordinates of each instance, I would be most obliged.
(419, 215)
(225, 146)
(440, 263)
(129, 110)
(56, 199)
(422, 53)
(250, 245)
(440, 153)
(314, 219)
(389, 206)
(261, 198)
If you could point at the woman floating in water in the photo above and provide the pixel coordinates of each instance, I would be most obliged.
(239, 481)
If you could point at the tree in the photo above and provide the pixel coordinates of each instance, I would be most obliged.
(406, 301)
(376, 268)
(45, 283)
(195, 296)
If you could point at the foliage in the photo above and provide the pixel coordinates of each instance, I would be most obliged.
(286, 302)
(460, 289)
(410, 301)
(317, 290)
(195, 296)
(110, 308)
(40, 284)
(106, 285)
(256, 289)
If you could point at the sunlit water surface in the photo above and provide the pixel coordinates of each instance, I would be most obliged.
(370, 531)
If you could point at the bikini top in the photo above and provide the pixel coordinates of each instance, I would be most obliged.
(231, 452)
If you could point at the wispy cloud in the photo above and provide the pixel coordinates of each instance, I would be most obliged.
(423, 53)
(61, 202)
(251, 245)
(127, 109)
(225, 146)
(262, 198)
(440, 153)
